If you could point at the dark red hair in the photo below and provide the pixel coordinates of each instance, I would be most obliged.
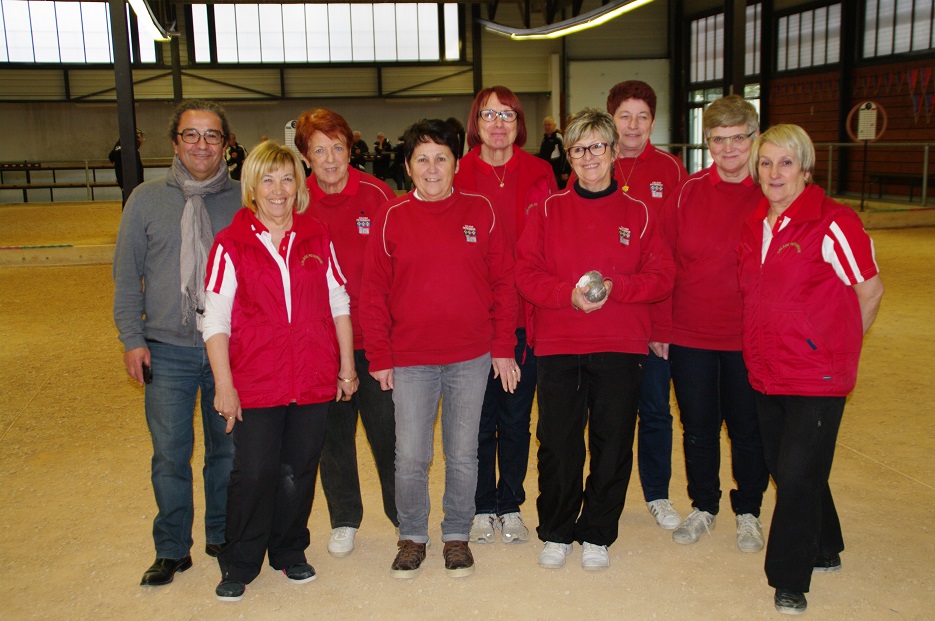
(631, 89)
(322, 120)
(509, 99)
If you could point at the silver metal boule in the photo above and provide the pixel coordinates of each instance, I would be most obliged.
(595, 283)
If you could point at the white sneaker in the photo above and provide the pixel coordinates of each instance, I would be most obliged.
(484, 527)
(553, 555)
(594, 557)
(513, 529)
(341, 542)
(666, 515)
(749, 533)
(696, 523)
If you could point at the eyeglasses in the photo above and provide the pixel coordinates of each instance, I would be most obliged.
(211, 136)
(737, 140)
(596, 149)
(490, 116)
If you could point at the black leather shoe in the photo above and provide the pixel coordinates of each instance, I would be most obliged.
(300, 573)
(162, 571)
(213, 549)
(790, 602)
(826, 564)
(230, 591)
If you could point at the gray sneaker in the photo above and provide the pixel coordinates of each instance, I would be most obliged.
(695, 524)
(749, 533)
(512, 528)
(484, 527)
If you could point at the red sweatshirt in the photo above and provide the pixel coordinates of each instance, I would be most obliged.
(526, 182)
(438, 283)
(567, 236)
(350, 214)
(702, 225)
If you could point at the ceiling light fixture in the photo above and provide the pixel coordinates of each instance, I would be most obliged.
(147, 21)
(587, 20)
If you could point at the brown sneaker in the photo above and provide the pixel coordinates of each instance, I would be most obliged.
(459, 562)
(408, 559)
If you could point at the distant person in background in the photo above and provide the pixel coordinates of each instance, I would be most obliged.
(398, 167)
(165, 235)
(358, 150)
(382, 149)
(234, 156)
(552, 150)
(116, 159)
(458, 129)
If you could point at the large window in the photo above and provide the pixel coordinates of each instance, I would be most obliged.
(34, 31)
(809, 38)
(312, 33)
(898, 27)
(706, 62)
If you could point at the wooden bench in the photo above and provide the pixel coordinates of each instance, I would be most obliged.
(883, 180)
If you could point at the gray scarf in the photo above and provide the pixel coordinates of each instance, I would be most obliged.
(197, 237)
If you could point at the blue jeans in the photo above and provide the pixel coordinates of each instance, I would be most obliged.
(504, 437)
(712, 388)
(339, 477)
(417, 390)
(654, 434)
(178, 374)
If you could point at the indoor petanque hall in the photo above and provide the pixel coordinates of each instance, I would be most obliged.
(76, 497)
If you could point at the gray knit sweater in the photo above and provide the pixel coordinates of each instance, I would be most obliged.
(148, 247)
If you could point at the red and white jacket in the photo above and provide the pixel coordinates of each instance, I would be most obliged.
(278, 306)
(802, 326)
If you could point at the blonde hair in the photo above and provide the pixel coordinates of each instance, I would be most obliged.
(789, 137)
(591, 120)
(265, 158)
(729, 111)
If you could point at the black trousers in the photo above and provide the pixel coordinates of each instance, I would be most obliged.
(600, 391)
(799, 435)
(272, 485)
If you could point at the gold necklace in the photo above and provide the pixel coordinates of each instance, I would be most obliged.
(502, 179)
(626, 182)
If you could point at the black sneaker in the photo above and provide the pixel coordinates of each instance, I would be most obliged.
(827, 564)
(300, 573)
(408, 560)
(230, 591)
(790, 602)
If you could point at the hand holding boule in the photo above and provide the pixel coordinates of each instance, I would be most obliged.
(595, 284)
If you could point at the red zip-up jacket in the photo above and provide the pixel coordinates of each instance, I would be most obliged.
(275, 360)
(802, 327)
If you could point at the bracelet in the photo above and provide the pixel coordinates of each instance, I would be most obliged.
(347, 381)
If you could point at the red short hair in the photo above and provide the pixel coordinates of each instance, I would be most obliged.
(631, 89)
(322, 120)
(509, 99)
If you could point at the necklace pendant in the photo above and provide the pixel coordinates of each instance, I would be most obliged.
(501, 184)
(626, 188)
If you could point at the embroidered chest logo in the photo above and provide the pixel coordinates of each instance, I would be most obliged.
(470, 234)
(656, 188)
(363, 225)
(790, 245)
(311, 256)
(624, 235)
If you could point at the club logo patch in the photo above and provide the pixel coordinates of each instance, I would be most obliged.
(470, 234)
(363, 225)
(656, 188)
(624, 235)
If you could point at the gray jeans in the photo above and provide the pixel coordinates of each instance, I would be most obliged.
(416, 393)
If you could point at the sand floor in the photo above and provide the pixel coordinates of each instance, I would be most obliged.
(76, 504)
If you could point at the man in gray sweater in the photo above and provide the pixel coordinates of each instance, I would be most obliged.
(165, 235)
